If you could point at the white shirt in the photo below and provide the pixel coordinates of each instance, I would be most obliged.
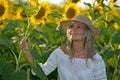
(77, 69)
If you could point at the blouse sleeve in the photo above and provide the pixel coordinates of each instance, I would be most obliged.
(50, 64)
(100, 71)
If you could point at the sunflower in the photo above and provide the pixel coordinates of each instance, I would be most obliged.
(52, 19)
(40, 14)
(71, 10)
(21, 14)
(34, 2)
(100, 2)
(11, 10)
(109, 16)
(116, 26)
(98, 9)
(116, 12)
(113, 12)
(112, 2)
(2, 24)
(73, 1)
(3, 9)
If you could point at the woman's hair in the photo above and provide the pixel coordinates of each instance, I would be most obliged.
(89, 44)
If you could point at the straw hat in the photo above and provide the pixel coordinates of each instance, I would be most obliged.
(83, 19)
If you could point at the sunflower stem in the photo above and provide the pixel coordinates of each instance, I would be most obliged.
(117, 63)
(26, 35)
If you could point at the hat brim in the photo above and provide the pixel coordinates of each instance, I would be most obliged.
(66, 23)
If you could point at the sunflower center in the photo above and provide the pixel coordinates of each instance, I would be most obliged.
(2, 10)
(41, 13)
(75, 1)
(70, 13)
(96, 10)
(23, 14)
(1, 23)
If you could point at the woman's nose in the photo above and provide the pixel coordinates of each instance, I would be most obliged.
(74, 30)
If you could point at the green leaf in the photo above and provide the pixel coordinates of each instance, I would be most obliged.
(55, 14)
(35, 54)
(116, 37)
(116, 19)
(117, 52)
(106, 35)
(39, 72)
(19, 75)
(10, 26)
(8, 70)
(6, 42)
(2, 63)
(88, 4)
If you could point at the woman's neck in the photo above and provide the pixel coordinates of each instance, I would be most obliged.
(79, 47)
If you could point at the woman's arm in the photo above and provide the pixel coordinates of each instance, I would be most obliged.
(51, 63)
(100, 70)
(48, 66)
(26, 51)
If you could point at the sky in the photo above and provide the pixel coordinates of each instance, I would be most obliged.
(59, 2)
(62, 1)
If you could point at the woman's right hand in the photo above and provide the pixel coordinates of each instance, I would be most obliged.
(24, 45)
(26, 51)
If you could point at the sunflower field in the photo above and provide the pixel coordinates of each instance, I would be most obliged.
(37, 21)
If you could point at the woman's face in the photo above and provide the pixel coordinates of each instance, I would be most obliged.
(76, 31)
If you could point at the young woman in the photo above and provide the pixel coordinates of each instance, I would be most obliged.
(78, 60)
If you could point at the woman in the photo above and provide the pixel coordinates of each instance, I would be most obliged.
(78, 60)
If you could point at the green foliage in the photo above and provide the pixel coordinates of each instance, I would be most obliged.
(45, 38)
(39, 72)
(42, 42)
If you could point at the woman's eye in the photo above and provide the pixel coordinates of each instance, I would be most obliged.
(70, 26)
